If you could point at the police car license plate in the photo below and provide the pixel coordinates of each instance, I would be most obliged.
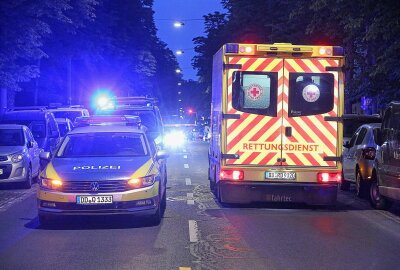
(280, 175)
(105, 199)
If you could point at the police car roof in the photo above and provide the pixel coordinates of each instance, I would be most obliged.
(106, 128)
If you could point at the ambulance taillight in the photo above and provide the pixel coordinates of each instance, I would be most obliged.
(235, 175)
(329, 177)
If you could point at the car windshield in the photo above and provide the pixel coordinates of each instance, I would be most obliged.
(11, 137)
(38, 128)
(107, 144)
(350, 125)
(71, 115)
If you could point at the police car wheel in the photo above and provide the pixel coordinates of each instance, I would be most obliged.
(28, 182)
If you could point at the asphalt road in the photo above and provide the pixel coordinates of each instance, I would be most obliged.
(197, 233)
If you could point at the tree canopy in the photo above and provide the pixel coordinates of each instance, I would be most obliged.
(369, 31)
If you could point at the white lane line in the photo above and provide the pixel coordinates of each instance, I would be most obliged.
(188, 181)
(190, 198)
(193, 231)
(184, 156)
(186, 166)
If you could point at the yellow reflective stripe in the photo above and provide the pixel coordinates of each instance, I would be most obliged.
(51, 173)
(142, 171)
(53, 197)
(145, 194)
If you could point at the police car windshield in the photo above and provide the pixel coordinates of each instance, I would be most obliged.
(71, 115)
(107, 144)
(11, 137)
(147, 118)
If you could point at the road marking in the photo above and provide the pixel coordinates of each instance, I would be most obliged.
(188, 181)
(185, 268)
(184, 156)
(186, 166)
(190, 197)
(193, 231)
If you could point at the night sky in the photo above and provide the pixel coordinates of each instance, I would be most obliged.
(188, 11)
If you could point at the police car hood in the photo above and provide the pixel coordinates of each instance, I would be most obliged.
(99, 168)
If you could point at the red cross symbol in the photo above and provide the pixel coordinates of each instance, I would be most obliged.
(255, 92)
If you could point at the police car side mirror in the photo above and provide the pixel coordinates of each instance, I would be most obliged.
(161, 155)
(45, 156)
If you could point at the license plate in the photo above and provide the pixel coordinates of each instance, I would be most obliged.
(280, 175)
(94, 199)
(1, 171)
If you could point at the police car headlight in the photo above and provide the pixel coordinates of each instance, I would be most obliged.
(50, 183)
(17, 158)
(141, 181)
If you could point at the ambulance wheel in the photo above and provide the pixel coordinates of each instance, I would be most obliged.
(212, 186)
(219, 197)
(344, 185)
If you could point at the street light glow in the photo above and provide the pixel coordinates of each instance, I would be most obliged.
(179, 52)
(178, 70)
(178, 24)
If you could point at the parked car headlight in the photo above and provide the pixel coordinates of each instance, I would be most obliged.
(17, 157)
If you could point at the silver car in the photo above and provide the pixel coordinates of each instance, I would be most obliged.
(359, 158)
(19, 155)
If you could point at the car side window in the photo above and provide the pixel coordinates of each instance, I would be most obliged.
(361, 136)
(353, 138)
(53, 127)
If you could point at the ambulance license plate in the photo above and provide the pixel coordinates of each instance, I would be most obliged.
(106, 199)
(280, 175)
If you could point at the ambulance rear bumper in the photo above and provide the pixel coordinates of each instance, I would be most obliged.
(248, 192)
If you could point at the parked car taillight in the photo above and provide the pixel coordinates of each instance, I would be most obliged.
(369, 153)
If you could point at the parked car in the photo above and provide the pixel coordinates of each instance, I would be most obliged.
(64, 125)
(19, 155)
(351, 122)
(70, 112)
(40, 121)
(359, 158)
(385, 187)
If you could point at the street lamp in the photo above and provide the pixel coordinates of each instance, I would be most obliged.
(178, 70)
(179, 52)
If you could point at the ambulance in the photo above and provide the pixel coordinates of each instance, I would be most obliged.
(276, 123)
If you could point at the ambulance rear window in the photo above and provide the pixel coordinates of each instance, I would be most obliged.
(255, 92)
(310, 93)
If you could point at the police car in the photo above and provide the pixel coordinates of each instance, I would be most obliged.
(104, 167)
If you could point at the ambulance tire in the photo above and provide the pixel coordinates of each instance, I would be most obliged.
(212, 186)
(218, 195)
(344, 185)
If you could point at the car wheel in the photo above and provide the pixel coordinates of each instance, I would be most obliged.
(361, 186)
(344, 185)
(376, 199)
(28, 182)
(156, 218)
